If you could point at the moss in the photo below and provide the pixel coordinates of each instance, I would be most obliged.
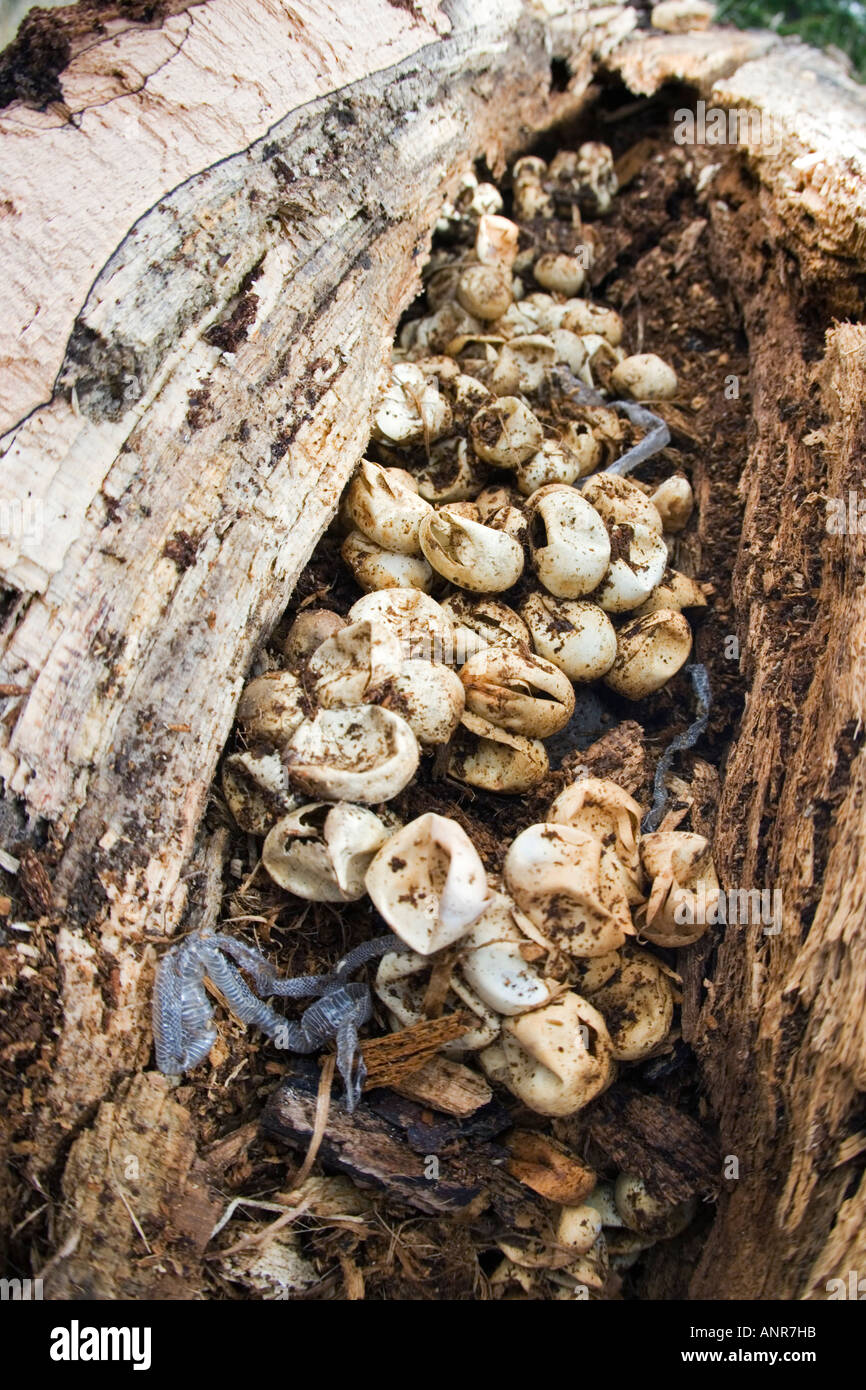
(826, 23)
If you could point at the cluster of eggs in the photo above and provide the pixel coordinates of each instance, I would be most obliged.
(598, 1231)
(486, 482)
(361, 697)
(596, 554)
(545, 963)
(501, 564)
(541, 961)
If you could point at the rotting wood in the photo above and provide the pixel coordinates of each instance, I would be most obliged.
(780, 1031)
(643, 1135)
(395, 1057)
(397, 1144)
(448, 1086)
(155, 443)
(139, 1206)
(778, 1027)
(429, 1132)
(620, 755)
(372, 1151)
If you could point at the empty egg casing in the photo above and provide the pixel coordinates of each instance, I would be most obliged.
(518, 691)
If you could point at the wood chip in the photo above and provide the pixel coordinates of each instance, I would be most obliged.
(548, 1168)
(390, 1059)
(630, 164)
(668, 1149)
(447, 1086)
(35, 883)
(353, 1279)
(229, 1150)
(688, 241)
(439, 983)
(620, 755)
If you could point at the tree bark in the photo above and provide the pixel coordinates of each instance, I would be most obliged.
(778, 1023)
(211, 223)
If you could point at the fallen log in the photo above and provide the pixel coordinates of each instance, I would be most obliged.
(206, 254)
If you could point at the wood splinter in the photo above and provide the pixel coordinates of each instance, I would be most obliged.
(389, 1060)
